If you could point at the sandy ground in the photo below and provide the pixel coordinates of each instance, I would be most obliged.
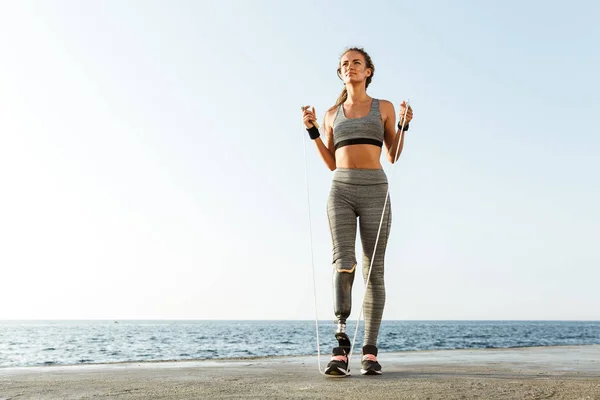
(527, 373)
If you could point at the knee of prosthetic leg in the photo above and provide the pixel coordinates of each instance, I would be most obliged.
(343, 280)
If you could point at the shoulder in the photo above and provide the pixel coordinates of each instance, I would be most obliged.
(386, 105)
(330, 115)
(332, 111)
(387, 111)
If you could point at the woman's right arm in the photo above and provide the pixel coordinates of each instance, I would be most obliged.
(325, 148)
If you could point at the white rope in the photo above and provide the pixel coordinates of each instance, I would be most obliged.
(374, 250)
(312, 257)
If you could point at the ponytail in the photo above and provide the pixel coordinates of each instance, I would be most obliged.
(341, 99)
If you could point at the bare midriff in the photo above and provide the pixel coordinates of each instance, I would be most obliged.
(364, 156)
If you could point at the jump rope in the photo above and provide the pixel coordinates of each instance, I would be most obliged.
(374, 250)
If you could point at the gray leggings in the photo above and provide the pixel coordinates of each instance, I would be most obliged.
(359, 193)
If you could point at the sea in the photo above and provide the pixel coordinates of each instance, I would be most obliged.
(44, 343)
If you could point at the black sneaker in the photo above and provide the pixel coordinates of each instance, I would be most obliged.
(369, 363)
(338, 366)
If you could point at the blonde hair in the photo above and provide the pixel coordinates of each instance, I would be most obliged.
(344, 95)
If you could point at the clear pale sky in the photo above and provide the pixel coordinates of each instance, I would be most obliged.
(152, 161)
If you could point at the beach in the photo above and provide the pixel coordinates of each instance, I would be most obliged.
(565, 372)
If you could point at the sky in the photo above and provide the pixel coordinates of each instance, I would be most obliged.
(154, 165)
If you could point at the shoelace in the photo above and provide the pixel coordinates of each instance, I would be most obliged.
(369, 357)
(340, 358)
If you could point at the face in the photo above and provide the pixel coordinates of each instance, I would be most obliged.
(353, 67)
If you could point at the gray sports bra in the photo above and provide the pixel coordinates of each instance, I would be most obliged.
(365, 130)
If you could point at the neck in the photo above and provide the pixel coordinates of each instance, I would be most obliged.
(356, 93)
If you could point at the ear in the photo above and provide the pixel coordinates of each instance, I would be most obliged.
(369, 72)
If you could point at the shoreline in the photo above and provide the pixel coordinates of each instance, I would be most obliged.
(560, 372)
(290, 356)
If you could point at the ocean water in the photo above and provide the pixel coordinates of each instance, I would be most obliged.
(35, 343)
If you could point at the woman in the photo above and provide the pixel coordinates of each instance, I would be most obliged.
(356, 129)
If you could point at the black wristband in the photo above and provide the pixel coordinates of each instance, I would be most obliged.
(405, 126)
(313, 132)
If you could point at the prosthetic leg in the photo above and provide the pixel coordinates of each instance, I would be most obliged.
(342, 292)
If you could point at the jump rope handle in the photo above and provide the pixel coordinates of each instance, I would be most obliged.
(405, 112)
(314, 122)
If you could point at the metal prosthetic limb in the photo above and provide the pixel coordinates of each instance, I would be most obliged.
(342, 292)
